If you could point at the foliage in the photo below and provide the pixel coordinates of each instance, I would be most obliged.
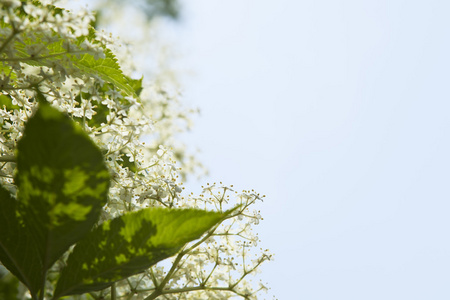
(86, 204)
(152, 8)
(62, 185)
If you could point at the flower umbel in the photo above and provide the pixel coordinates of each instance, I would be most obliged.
(50, 51)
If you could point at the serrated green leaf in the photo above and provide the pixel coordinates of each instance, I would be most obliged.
(18, 250)
(107, 68)
(81, 64)
(130, 244)
(62, 182)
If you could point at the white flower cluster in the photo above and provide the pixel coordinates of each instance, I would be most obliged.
(215, 267)
(41, 49)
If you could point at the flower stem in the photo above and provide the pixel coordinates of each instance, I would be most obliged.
(113, 292)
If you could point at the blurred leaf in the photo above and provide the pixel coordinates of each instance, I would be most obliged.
(8, 286)
(18, 250)
(62, 182)
(153, 8)
(6, 101)
(126, 163)
(130, 244)
(136, 84)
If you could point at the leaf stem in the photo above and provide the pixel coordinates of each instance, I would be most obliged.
(36, 58)
(42, 290)
(113, 291)
(7, 158)
(13, 34)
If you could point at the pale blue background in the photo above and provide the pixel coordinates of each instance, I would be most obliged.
(338, 111)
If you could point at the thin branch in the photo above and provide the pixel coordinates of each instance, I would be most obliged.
(13, 34)
(7, 158)
(42, 57)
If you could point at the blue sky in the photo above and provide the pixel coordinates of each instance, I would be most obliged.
(338, 111)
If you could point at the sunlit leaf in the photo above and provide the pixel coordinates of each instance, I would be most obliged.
(130, 244)
(6, 102)
(69, 55)
(107, 68)
(62, 181)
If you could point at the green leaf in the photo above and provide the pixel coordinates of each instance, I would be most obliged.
(62, 182)
(126, 163)
(6, 101)
(136, 84)
(18, 250)
(79, 64)
(107, 68)
(130, 244)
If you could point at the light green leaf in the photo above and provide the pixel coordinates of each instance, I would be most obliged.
(77, 64)
(62, 182)
(130, 244)
(107, 68)
(6, 102)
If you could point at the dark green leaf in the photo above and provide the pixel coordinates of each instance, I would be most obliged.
(126, 163)
(18, 250)
(136, 84)
(130, 244)
(62, 182)
(100, 116)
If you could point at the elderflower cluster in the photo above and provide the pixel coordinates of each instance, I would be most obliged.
(38, 45)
